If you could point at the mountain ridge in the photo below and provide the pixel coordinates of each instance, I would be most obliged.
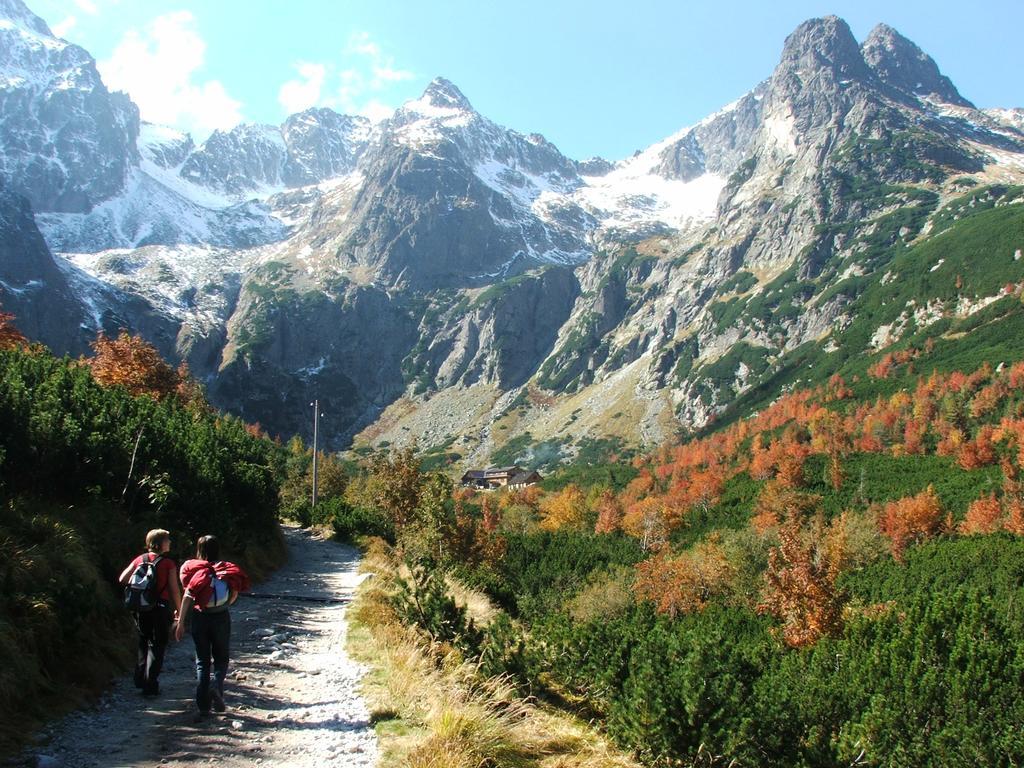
(481, 264)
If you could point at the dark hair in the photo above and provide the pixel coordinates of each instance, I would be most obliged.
(208, 548)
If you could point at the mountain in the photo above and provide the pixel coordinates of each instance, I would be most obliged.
(68, 143)
(507, 296)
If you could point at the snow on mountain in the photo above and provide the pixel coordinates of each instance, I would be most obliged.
(638, 192)
(432, 117)
(187, 283)
(29, 47)
(1013, 118)
(163, 151)
(543, 187)
(323, 145)
(150, 213)
(67, 142)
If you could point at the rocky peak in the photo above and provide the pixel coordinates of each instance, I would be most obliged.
(18, 13)
(595, 166)
(899, 63)
(322, 144)
(820, 76)
(68, 144)
(166, 147)
(823, 45)
(444, 94)
(238, 161)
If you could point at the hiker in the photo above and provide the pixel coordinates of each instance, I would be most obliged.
(153, 596)
(211, 587)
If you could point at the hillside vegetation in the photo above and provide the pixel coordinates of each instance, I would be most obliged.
(837, 579)
(86, 468)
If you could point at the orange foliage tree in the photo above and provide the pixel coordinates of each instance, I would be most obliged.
(1014, 522)
(686, 582)
(609, 513)
(984, 515)
(10, 337)
(647, 521)
(800, 582)
(777, 502)
(133, 363)
(566, 508)
(829, 436)
(911, 520)
(395, 486)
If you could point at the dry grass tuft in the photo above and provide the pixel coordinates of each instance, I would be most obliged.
(478, 606)
(432, 708)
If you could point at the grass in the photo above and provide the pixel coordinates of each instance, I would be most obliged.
(63, 633)
(432, 709)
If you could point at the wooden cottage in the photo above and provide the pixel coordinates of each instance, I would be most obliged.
(514, 478)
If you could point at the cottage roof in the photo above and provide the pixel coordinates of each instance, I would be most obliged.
(501, 471)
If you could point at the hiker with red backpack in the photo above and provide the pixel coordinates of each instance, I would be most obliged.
(152, 595)
(211, 587)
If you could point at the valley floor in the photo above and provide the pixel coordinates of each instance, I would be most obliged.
(291, 692)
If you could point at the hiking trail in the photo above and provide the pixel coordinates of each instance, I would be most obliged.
(291, 691)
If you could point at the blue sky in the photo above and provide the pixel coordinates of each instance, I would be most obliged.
(596, 78)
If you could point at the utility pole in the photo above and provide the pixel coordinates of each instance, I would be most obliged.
(316, 430)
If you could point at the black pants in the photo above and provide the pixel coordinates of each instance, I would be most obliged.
(211, 633)
(154, 631)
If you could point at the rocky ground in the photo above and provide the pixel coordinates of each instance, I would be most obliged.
(291, 694)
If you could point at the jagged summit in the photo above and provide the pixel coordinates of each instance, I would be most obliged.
(445, 94)
(824, 44)
(18, 13)
(900, 63)
(456, 252)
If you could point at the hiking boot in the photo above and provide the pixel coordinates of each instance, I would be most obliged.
(151, 690)
(217, 699)
(200, 716)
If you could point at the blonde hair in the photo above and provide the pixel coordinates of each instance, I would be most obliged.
(155, 539)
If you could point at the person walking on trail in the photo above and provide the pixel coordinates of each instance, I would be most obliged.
(153, 596)
(211, 587)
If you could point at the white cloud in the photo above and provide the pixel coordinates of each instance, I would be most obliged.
(303, 93)
(61, 28)
(88, 6)
(372, 72)
(158, 69)
(376, 111)
(359, 89)
(360, 42)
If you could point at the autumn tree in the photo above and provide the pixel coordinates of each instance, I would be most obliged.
(790, 472)
(777, 502)
(646, 520)
(491, 518)
(800, 582)
(1014, 522)
(911, 520)
(829, 436)
(133, 363)
(190, 392)
(566, 508)
(394, 485)
(704, 488)
(686, 582)
(984, 515)
(10, 337)
(609, 513)
(979, 452)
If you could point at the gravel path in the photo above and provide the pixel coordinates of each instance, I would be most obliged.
(291, 688)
